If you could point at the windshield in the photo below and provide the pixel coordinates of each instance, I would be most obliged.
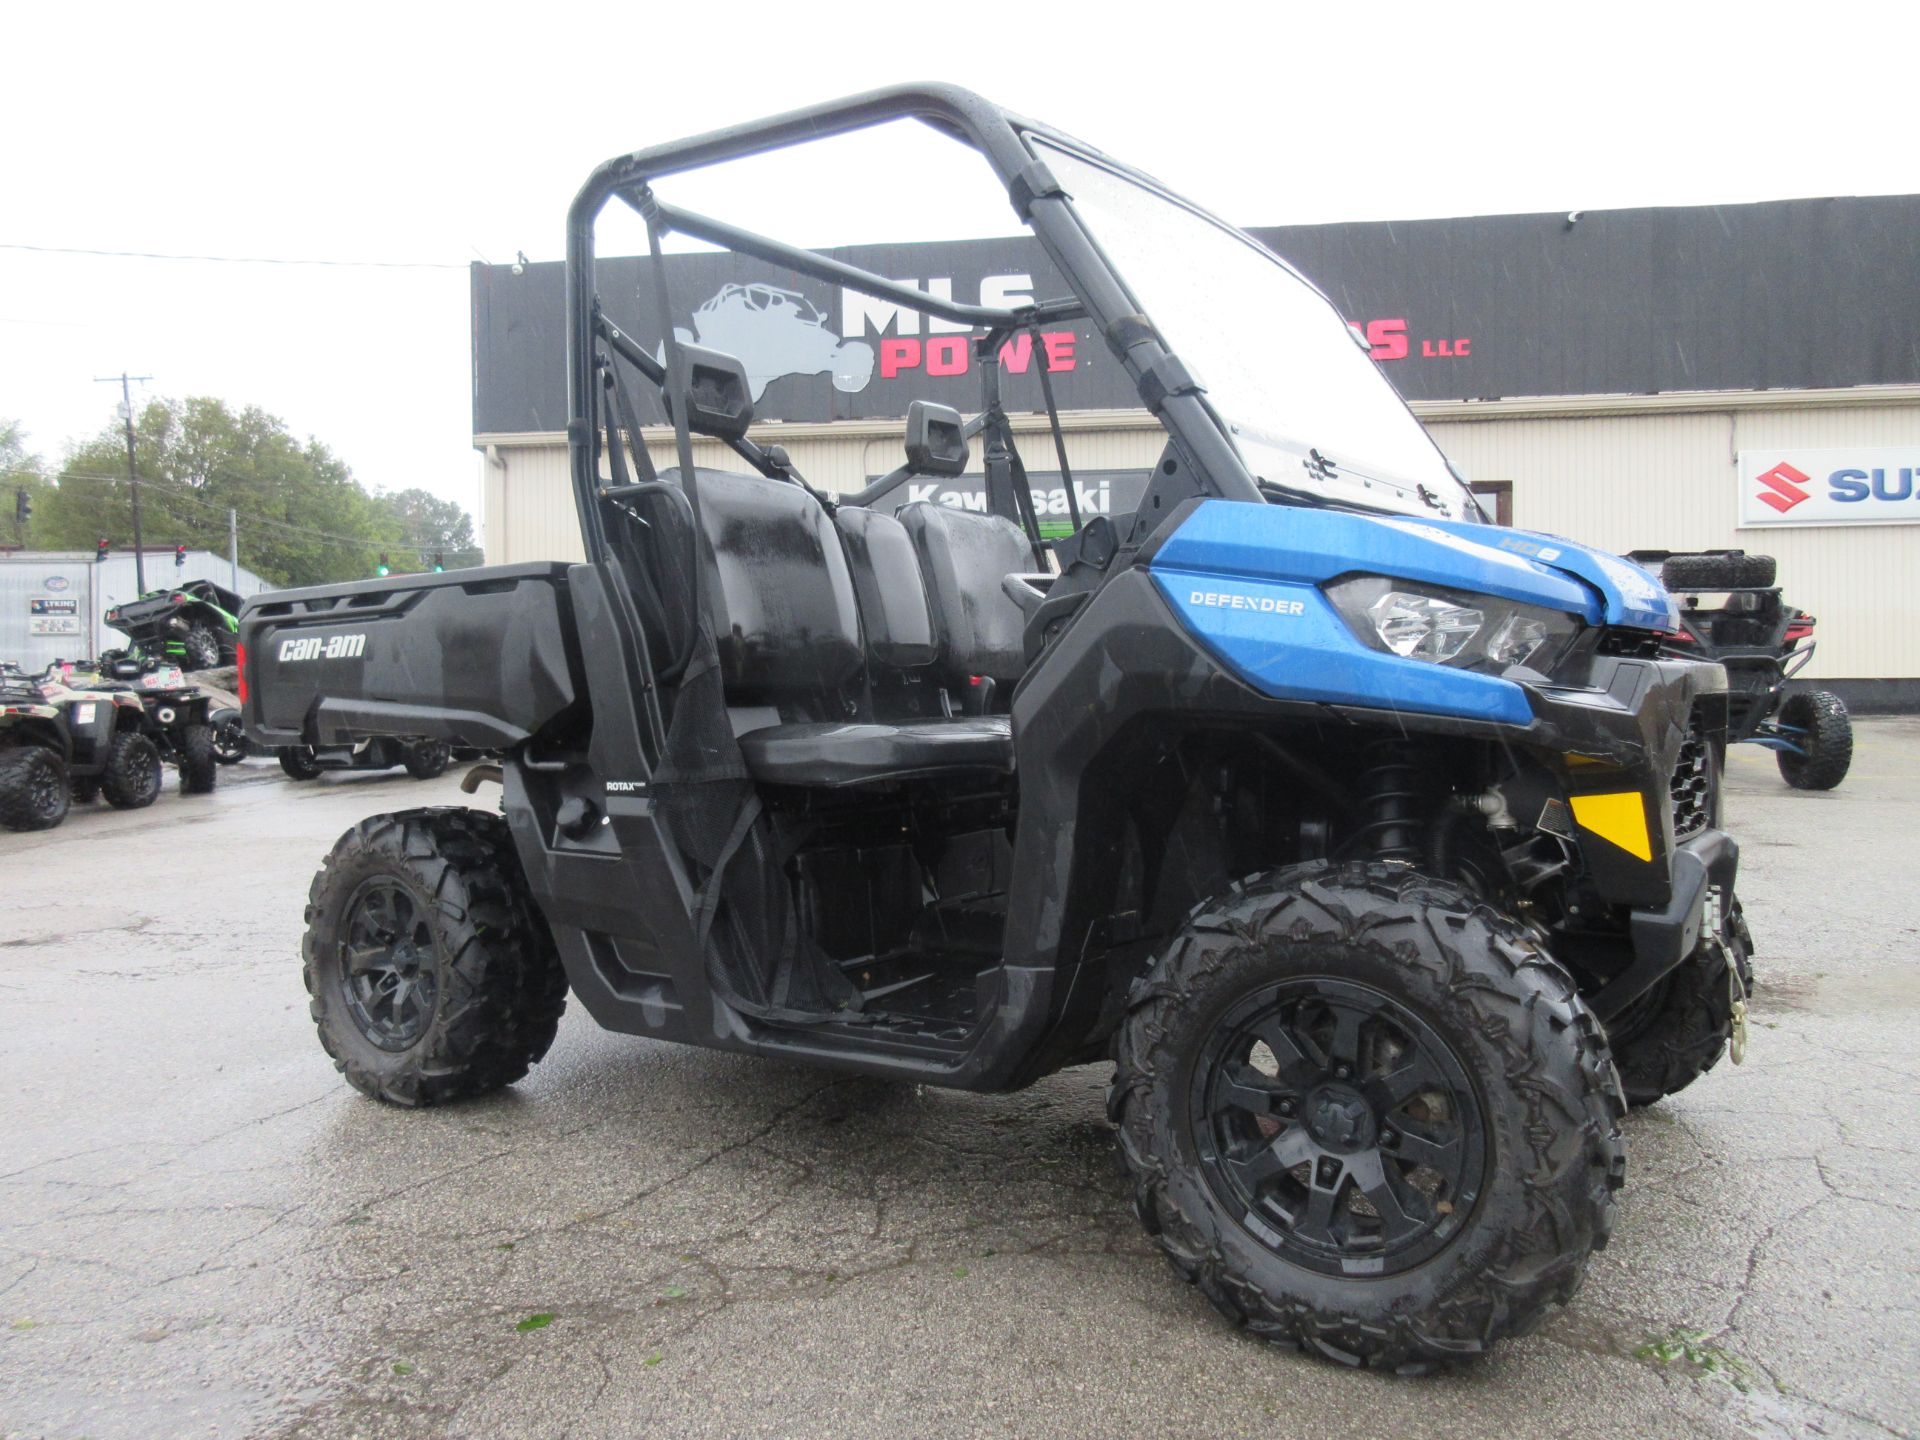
(1305, 406)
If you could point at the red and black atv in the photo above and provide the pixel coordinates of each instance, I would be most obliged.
(1731, 611)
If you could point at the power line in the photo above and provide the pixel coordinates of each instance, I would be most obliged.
(237, 259)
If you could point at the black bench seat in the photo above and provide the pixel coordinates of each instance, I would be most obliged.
(851, 753)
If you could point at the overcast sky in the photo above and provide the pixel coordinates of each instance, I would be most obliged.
(408, 133)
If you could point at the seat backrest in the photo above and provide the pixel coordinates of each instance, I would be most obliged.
(964, 556)
(893, 597)
(785, 617)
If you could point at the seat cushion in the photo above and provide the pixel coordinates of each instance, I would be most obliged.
(964, 557)
(853, 754)
(893, 596)
(784, 614)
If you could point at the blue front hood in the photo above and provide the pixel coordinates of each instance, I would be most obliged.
(1284, 542)
(1246, 580)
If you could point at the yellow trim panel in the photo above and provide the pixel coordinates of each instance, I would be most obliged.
(1620, 819)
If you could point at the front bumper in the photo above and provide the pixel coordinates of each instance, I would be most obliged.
(1664, 937)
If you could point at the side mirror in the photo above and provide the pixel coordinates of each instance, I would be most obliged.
(936, 439)
(719, 400)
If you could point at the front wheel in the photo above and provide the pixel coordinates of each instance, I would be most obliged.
(299, 762)
(1825, 738)
(33, 788)
(1368, 1116)
(433, 975)
(428, 759)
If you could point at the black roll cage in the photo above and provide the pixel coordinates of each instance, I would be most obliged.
(1162, 381)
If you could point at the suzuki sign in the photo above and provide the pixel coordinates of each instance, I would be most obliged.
(1870, 485)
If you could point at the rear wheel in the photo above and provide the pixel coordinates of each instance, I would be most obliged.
(433, 977)
(298, 762)
(33, 788)
(1825, 736)
(131, 780)
(1368, 1116)
(230, 744)
(199, 766)
(428, 759)
(201, 649)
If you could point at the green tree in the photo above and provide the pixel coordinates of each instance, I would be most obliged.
(431, 526)
(303, 518)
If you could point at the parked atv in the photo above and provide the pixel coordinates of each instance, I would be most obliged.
(423, 759)
(61, 742)
(1731, 613)
(1346, 824)
(175, 716)
(195, 625)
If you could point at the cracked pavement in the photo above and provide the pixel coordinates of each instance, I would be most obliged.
(204, 1232)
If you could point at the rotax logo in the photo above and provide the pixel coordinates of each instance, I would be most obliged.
(1863, 485)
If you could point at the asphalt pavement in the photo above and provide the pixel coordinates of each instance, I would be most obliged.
(204, 1232)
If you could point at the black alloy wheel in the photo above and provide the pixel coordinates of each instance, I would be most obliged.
(392, 969)
(230, 744)
(1340, 1125)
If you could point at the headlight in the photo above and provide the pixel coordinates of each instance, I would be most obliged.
(1470, 632)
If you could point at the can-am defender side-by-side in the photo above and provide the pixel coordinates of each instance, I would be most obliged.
(1364, 837)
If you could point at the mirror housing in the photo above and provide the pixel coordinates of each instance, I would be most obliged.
(936, 439)
(720, 401)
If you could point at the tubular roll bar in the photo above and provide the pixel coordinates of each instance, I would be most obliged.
(961, 115)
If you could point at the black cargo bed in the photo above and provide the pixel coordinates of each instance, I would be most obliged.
(480, 657)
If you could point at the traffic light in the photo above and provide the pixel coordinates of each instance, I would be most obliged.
(439, 562)
(179, 557)
(100, 548)
(22, 506)
(382, 568)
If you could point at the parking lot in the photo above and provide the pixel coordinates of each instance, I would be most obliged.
(204, 1232)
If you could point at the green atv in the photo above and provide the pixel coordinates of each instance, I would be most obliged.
(195, 625)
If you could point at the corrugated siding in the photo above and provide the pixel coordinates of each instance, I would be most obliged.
(1659, 481)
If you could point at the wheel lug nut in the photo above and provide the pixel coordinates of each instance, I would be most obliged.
(1341, 1072)
(1387, 1137)
(1286, 1107)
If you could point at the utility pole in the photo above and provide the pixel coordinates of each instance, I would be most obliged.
(133, 475)
(233, 546)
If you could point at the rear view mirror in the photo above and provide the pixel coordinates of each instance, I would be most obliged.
(936, 439)
(720, 402)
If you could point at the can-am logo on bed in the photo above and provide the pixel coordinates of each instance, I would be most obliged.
(1866, 485)
(333, 647)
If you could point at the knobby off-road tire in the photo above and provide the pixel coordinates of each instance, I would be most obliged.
(1828, 741)
(33, 788)
(230, 745)
(298, 762)
(1508, 1235)
(1678, 1031)
(86, 789)
(131, 780)
(428, 759)
(433, 976)
(1716, 572)
(199, 766)
(202, 648)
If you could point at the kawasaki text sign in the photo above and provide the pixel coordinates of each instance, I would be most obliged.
(1858, 485)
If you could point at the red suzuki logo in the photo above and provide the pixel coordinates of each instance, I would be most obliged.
(1783, 482)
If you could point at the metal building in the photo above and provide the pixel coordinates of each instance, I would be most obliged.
(51, 601)
(1725, 376)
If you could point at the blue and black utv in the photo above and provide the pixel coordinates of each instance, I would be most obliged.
(1365, 839)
